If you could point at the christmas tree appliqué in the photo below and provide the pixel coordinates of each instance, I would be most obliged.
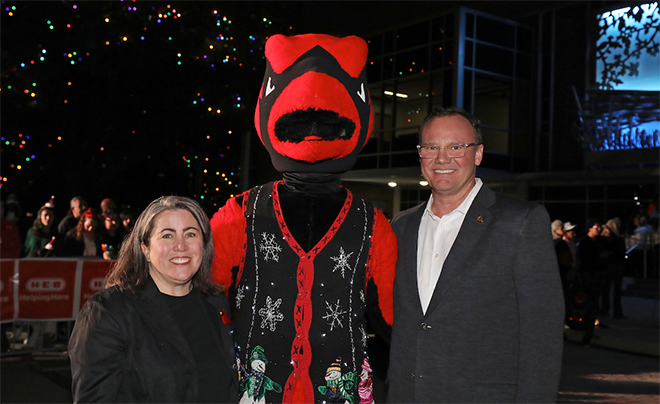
(333, 315)
(341, 262)
(270, 313)
(269, 247)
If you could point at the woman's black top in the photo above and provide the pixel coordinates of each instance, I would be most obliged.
(199, 328)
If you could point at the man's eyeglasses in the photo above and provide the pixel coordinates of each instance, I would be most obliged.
(454, 150)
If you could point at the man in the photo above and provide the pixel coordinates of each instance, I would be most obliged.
(569, 238)
(478, 311)
(564, 258)
(78, 206)
(591, 264)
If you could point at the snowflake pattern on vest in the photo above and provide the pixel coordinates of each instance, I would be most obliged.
(240, 294)
(307, 308)
(269, 247)
(271, 314)
(341, 261)
(334, 315)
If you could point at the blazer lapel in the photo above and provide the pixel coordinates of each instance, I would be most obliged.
(410, 237)
(476, 221)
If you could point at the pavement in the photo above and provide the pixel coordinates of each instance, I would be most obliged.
(45, 377)
(639, 333)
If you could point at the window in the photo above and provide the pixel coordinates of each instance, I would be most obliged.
(627, 49)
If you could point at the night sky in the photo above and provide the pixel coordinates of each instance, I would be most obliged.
(137, 99)
(130, 100)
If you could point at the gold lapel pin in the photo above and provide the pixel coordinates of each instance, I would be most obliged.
(480, 219)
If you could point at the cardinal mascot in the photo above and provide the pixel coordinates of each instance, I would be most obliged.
(303, 256)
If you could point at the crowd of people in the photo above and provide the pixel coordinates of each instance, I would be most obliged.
(592, 268)
(84, 231)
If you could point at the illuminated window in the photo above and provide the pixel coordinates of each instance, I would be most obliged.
(627, 49)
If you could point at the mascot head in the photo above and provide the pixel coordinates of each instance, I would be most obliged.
(314, 112)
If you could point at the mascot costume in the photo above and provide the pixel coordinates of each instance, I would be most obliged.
(303, 255)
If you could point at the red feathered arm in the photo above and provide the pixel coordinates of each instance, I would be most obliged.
(383, 263)
(228, 226)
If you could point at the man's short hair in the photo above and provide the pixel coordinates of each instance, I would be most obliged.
(591, 223)
(76, 199)
(441, 112)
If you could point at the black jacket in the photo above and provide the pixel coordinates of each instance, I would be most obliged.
(128, 348)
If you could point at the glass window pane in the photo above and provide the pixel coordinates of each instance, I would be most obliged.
(566, 193)
(495, 60)
(375, 44)
(413, 35)
(469, 53)
(412, 62)
(525, 39)
(388, 107)
(469, 25)
(449, 54)
(374, 70)
(596, 192)
(524, 66)
(492, 103)
(405, 160)
(384, 161)
(496, 161)
(376, 99)
(522, 145)
(438, 56)
(449, 25)
(448, 98)
(406, 140)
(438, 87)
(438, 29)
(467, 89)
(495, 32)
(366, 163)
(495, 141)
(523, 105)
(412, 103)
(388, 42)
(372, 144)
(388, 67)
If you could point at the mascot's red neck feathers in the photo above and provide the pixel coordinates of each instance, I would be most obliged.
(314, 112)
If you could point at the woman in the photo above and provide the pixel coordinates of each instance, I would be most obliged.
(85, 239)
(616, 264)
(113, 234)
(39, 239)
(160, 331)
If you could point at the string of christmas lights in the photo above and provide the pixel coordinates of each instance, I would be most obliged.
(123, 87)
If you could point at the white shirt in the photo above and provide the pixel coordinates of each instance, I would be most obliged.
(436, 237)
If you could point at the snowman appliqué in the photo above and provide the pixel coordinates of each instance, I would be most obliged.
(366, 386)
(337, 385)
(255, 383)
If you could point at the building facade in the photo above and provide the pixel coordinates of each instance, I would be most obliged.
(532, 82)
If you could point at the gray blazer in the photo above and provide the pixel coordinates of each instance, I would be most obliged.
(493, 331)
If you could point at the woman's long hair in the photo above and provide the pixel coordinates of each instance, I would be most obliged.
(38, 228)
(132, 269)
(80, 227)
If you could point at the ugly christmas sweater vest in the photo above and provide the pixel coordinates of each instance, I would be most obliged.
(299, 324)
